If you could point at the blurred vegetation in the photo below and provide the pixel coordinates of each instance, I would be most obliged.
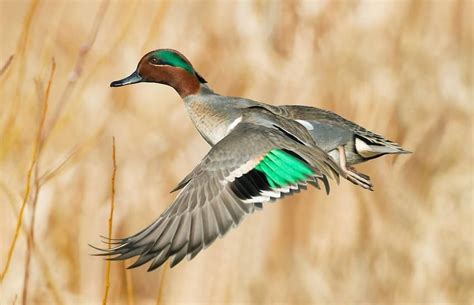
(400, 68)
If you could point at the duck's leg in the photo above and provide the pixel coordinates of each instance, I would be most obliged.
(351, 174)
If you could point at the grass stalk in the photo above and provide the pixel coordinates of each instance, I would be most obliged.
(128, 284)
(45, 270)
(35, 154)
(78, 67)
(34, 201)
(110, 222)
(160, 289)
(6, 65)
(21, 47)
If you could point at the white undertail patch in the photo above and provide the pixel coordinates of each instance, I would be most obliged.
(364, 149)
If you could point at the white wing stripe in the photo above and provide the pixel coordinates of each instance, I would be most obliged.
(306, 124)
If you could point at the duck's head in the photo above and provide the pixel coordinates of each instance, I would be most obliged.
(165, 66)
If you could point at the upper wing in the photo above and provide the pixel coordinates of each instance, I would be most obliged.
(252, 165)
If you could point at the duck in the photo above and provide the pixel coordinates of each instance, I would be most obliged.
(259, 153)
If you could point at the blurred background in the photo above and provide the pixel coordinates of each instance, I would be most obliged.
(403, 69)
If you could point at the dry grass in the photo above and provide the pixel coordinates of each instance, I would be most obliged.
(111, 218)
(403, 69)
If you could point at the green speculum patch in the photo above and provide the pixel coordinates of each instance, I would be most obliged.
(282, 168)
(173, 59)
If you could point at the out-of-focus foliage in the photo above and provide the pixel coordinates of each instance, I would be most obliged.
(402, 69)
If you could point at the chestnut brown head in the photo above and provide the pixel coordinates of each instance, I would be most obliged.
(168, 67)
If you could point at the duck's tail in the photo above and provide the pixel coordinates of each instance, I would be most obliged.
(375, 146)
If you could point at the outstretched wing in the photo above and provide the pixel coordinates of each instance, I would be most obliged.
(252, 165)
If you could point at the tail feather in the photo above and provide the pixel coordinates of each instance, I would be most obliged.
(369, 148)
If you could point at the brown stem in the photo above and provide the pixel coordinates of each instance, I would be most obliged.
(160, 290)
(30, 239)
(128, 284)
(6, 64)
(46, 274)
(111, 216)
(36, 152)
(78, 68)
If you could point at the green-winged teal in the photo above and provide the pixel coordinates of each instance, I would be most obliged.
(259, 153)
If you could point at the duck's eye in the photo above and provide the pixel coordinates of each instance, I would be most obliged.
(154, 61)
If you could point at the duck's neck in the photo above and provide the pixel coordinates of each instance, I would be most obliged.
(208, 114)
(183, 82)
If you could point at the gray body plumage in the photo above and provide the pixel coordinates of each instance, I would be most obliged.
(212, 114)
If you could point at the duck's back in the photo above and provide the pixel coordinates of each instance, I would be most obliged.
(331, 130)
